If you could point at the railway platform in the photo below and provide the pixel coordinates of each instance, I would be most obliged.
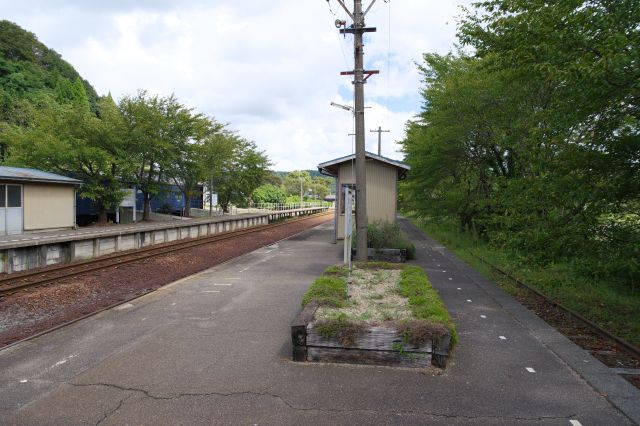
(214, 348)
(33, 250)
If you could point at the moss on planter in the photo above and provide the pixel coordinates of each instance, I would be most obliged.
(342, 328)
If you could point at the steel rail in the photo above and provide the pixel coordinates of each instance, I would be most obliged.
(130, 256)
(132, 298)
(590, 324)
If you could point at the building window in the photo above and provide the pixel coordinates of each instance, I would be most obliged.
(3, 195)
(14, 196)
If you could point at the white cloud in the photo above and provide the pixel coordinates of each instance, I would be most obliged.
(269, 69)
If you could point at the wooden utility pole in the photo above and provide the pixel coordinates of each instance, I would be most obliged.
(379, 132)
(358, 29)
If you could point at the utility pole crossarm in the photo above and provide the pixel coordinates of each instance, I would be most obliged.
(367, 73)
(358, 30)
(379, 131)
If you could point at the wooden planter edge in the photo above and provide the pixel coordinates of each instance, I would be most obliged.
(299, 331)
(439, 352)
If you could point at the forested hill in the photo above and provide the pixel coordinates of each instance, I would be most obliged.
(33, 74)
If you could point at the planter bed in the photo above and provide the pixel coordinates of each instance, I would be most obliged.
(388, 315)
(384, 255)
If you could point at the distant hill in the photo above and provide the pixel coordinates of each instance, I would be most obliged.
(32, 74)
(314, 173)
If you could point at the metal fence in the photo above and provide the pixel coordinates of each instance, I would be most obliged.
(271, 207)
(259, 208)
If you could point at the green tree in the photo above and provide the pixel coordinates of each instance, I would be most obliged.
(297, 182)
(245, 170)
(321, 186)
(72, 141)
(152, 124)
(533, 141)
(269, 193)
(188, 133)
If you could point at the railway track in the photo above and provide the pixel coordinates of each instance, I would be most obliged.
(22, 281)
(610, 349)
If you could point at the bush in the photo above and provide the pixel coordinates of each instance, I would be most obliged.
(382, 234)
(269, 194)
(388, 235)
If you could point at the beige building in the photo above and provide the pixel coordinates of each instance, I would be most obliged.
(33, 200)
(383, 175)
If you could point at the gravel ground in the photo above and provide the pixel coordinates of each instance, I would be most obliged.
(35, 310)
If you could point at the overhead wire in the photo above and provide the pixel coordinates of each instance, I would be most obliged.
(388, 76)
(347, 66)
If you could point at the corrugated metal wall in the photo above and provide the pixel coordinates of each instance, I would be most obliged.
(382, 183)
(48, 206)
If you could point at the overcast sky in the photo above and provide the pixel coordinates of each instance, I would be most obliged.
(268, 68)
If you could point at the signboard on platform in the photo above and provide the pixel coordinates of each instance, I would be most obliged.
(348, 223)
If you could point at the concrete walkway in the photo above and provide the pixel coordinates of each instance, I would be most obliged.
(215, 349)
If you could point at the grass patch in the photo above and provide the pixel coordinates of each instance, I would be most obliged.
(425, 303)
(609, 304)
(329, 289)
(397, 295)
(337, 270)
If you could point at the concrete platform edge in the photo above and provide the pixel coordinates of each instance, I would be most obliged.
(622, 394)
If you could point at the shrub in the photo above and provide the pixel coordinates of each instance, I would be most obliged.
(382, 234)
(388, 235)
(269, 194)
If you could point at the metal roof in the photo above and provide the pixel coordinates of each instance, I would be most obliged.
(33, 175)
(324, 167)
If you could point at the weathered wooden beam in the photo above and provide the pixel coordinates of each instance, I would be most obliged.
(299, 331)
(441, 351)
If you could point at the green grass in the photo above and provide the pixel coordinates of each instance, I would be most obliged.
(424, 300)
(329, 289)
(431, 318)
(609, 304)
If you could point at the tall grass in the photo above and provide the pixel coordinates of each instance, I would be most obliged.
(614, 306)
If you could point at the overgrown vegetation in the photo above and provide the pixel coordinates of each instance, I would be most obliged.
(342, 328)
(531, 143)
(425, 304)
(398, 296)
(388, 235)
(607, 302)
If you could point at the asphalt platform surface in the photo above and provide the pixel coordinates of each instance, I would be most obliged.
(215, 349)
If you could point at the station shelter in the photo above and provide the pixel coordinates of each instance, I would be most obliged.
(382, 177)
(34, 200)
